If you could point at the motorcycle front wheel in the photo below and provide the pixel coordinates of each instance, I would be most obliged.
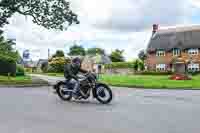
(103, 94)
(62, 93)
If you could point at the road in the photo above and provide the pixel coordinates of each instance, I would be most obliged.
(51, 79)
(38, 110)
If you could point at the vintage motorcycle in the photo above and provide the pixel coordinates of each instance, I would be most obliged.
(88, 83)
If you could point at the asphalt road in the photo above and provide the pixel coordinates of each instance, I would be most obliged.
(38, 110)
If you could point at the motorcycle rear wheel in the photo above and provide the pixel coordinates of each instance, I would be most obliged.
(61, 93)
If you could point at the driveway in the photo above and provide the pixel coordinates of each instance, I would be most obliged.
(38, 110)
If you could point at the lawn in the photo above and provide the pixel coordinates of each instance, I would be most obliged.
(19, 80)
(147, 81)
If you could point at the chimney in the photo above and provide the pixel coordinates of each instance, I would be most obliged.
(155, 28)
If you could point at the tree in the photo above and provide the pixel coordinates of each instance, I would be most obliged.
(117, 56)
(141, 65)
(76, 50)
(59, 53)
(44, 67)
(6, 51)
(142, 55)
(94, 51)
(51, 14)
(136, 65)
(8, 56)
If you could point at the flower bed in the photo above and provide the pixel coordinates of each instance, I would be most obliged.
(180, 77)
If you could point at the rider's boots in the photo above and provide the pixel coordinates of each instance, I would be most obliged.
(76, 95)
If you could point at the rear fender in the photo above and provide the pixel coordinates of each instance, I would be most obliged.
(58, 84)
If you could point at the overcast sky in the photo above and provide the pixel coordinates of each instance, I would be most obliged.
(109, 24)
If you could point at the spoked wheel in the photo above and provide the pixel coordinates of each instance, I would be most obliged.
(62, 93)
(103, 94)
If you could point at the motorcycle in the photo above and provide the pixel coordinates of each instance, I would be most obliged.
(89, 83)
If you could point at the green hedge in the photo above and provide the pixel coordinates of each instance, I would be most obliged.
(120, 65)
(154, 73)
(7, 67)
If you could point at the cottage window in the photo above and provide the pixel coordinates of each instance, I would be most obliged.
(176, 52)
(160, 53)
(193, 51)
(160, 67)
(193, 67)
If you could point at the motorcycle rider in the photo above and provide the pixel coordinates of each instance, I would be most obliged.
(70, 73)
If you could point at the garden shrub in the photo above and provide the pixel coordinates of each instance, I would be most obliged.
(56, 65)
(28, 70)
(20, 70)
(193, 72)
(155, 73)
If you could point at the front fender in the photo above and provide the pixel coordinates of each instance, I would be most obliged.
(97, 85)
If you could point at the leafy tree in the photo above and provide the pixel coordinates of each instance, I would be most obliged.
(77, 50)
(44, 67)
(6, 51)
(141, 65)
(94, 51)
(8, 56)
(51, 14)
(59, 53)
(136, 65)
(142, 55)
(117, 56)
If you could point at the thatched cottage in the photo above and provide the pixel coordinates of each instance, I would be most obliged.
(174, 49)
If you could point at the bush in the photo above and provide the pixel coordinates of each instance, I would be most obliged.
(28, 70)
(56, 65)
(136, 65)
(141, 66)
(20, 70)
(44, 67)
(193, 72)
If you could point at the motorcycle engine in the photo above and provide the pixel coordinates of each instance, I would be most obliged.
(84, 86)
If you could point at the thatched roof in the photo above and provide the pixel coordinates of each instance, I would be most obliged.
(181, 37)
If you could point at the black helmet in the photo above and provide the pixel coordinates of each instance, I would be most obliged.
(76, 61)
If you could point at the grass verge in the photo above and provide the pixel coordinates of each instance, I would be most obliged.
(145, 81)
(148, 81)
(20, 80)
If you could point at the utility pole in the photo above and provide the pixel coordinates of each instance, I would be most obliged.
(48, 53)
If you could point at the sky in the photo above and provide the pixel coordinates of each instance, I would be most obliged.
(108, 24)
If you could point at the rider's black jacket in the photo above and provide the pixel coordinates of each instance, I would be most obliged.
(72, 71)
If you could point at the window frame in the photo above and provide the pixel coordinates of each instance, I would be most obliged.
(160, 53)
(193, 51)
(161, 67)
(176, 52)
(193, 67)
